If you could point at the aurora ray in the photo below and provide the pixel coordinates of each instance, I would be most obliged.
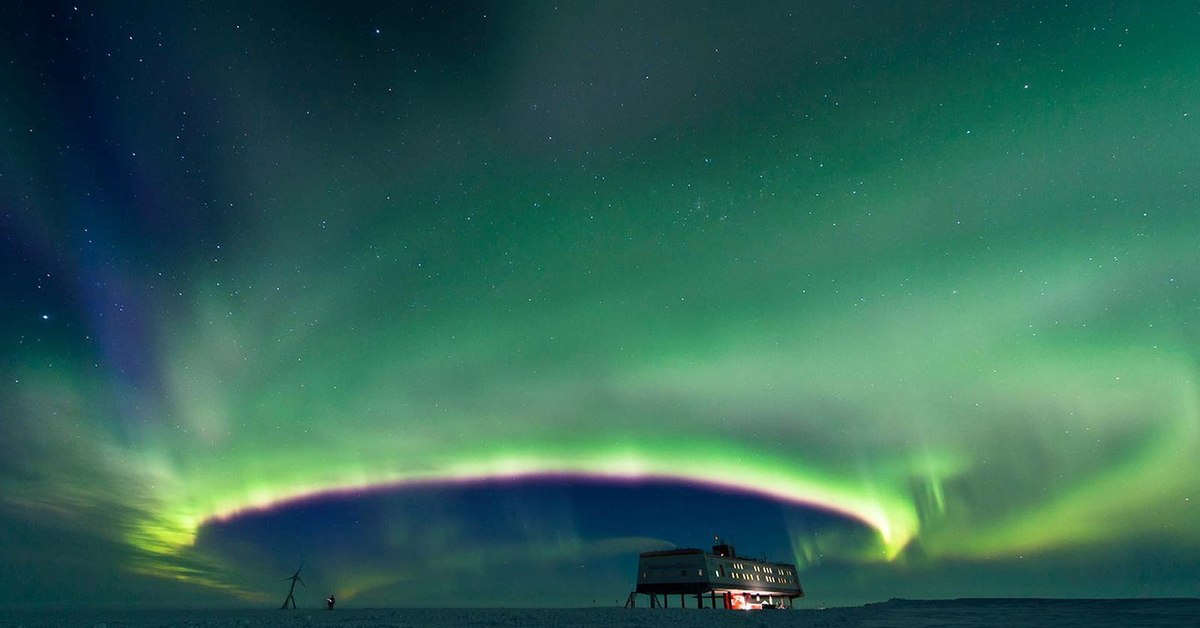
(923, 278)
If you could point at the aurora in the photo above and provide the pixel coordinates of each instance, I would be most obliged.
(907, 295)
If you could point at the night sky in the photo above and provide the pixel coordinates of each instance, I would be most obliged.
(468, 304)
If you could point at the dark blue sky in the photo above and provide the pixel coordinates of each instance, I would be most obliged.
(471, 303)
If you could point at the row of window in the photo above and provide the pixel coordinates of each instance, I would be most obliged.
(765, 573)
(783, 578)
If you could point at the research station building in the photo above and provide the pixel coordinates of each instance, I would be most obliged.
(718, 577)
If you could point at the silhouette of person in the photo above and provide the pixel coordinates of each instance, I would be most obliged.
(330, 601)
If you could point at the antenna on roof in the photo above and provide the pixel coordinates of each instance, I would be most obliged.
(294, 578)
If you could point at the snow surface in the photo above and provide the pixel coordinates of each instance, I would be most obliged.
(1173, 613)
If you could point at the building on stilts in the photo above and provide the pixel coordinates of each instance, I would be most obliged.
(717, 579)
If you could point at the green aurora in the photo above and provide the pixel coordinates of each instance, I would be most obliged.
(934, 270)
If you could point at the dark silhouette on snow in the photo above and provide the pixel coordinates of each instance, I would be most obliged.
(294, 578)
(330, 601)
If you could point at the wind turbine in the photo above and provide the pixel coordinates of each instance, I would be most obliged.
(294, 578)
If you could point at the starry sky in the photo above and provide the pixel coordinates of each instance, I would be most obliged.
(470, 303)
